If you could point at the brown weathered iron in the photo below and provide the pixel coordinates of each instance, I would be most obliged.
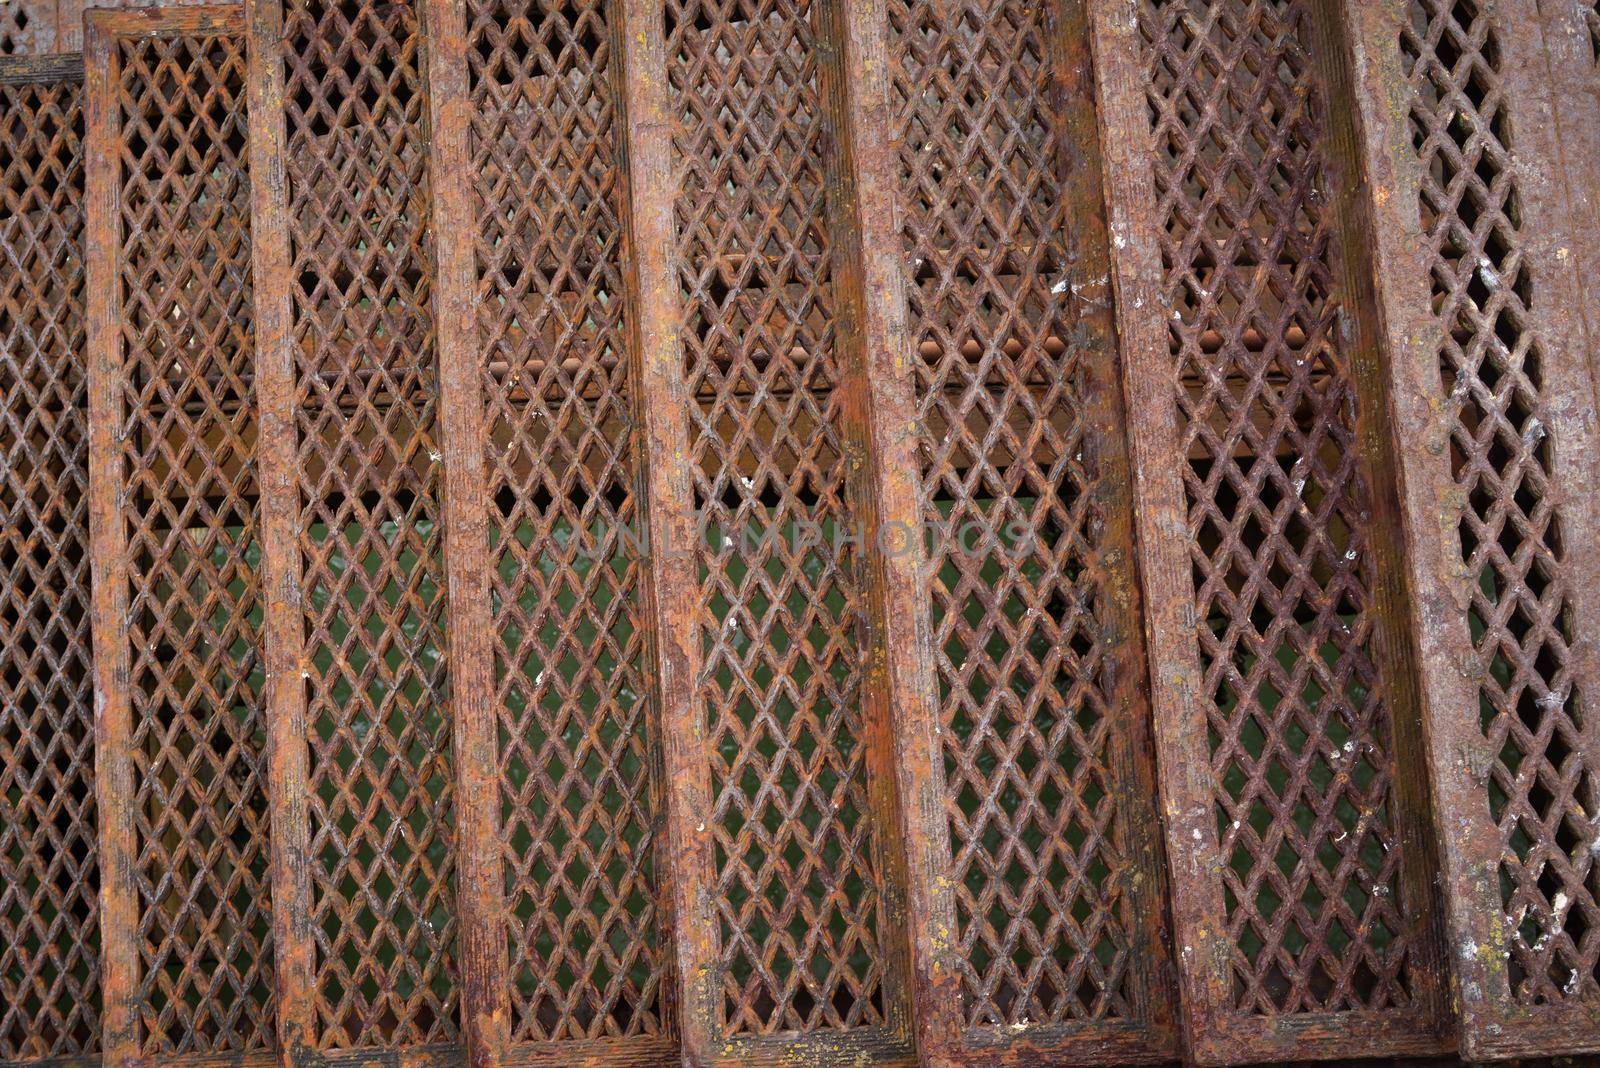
(798, 531)
(1300, 904)
(173, 533)
(49, 936)
(1494, 391)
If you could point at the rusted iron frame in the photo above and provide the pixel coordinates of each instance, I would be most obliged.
(1393, 590)
(283, 628)
(670, 592)
(1153, 1035)
(108, 543)
(874, 316)
(1491, 1024)
(1214, 1033)
(480, 876)
(879, 411)
(1150, 387)
(1568, 331)
(35, 70)
(115, 788)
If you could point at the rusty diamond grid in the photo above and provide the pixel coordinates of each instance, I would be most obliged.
(49, 967)
(1282, 556)
(1542, 791)
(1030, 608)
(1033, 654)
(799, 880)
(186, 493)
(380, 783)
(27, 27)
(578, 796)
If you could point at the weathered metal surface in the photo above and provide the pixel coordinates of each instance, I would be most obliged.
(878, 414)
(1297, 914)
(282, 626)
(575, 738)
(381, 786)
(49, 882)
(661, 403)
(798, 902)
(173, 539)
(474, 718)
(1054, 860)
(1493, 383)
(708, 417)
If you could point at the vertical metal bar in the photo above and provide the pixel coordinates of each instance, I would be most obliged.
(1153, 1035)
(283, 629)
(1161, 526)
(480, 901)
(108, 541)
(1493, 1020)
(901, 696)
(671, 591)
(1571, 46)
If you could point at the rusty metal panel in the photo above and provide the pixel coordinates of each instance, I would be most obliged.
(282, 623)
(575, 730)
(380, 783)
(1490, 334)
(1303, 907)
(49, 881)
(173, 458)
(481, 949)
(1025, 487)
(799, 895)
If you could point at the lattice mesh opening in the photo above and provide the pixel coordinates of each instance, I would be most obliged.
(1012, 469)
(1541, 790)
(186, 464)
(380, 777)
(49, 882)
(799, 882)
(1298, 714)
(24, 29)
(578, 801)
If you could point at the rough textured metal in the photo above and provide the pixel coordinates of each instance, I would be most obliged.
(577, 793)
(540, 390)
(799, 884)
(1049, 772)
(1511, 433)
(381, 787)
(1299, 909)
(169, 109)
(49, 958)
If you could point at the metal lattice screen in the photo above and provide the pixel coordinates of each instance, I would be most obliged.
(768, 530)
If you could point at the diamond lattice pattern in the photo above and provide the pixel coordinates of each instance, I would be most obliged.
(187, 464)
(1282, 547)
(798, 877)
(1010, 475)
(381, 868)
(49, 967)
(577, 796)
(1542, 794)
